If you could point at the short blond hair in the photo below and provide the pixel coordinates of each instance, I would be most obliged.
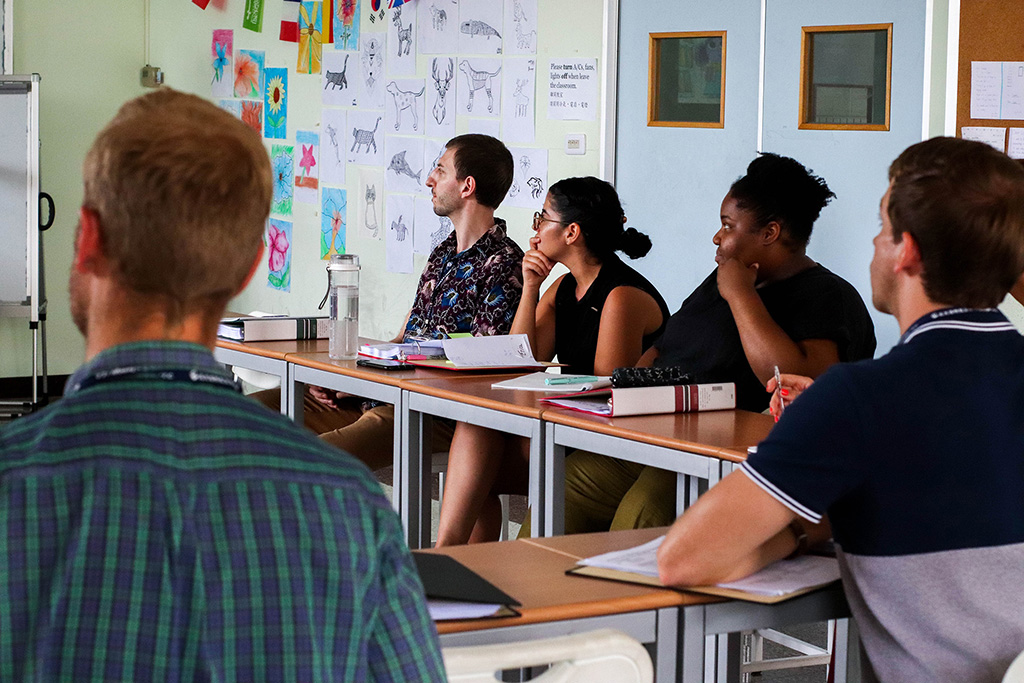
(182, 190)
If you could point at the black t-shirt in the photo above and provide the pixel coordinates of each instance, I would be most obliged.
(577, 322)
(813, 304)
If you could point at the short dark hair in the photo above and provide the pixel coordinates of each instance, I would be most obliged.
(963, 202)
(488, 160)
(594, 205)
(780, 189)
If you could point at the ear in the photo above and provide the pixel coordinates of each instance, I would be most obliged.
(908, 256)
(771, 233)
(468, 187)
(573, 231)
(89, 256)
(252, 269)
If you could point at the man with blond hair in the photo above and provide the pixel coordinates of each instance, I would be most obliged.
(155, 525)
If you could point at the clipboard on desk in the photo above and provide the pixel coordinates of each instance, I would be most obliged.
(446, 579)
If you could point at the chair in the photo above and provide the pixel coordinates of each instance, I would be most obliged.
(1015, 674)
(599, 656)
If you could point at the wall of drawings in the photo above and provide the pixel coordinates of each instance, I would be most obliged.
(355, 100)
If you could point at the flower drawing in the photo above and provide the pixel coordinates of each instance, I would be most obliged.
(247, 76)
(219, 62)
(252, 114)
(275, 94)
(307, 162)
(278, 248)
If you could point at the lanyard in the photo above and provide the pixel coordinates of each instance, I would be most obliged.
(143, 374)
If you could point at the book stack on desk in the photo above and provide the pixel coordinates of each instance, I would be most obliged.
(680, 398)
(410, 350)
(273, 328)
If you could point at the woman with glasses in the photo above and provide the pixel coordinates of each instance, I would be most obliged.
(599, 316)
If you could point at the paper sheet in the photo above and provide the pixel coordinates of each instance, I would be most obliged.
(986, 86)
(519, 105)
(279, 255)
(400, 219)
(336, 85)
(447, 610)
(529, 179)
(333, 221)
(643, 559)
(310, 38)
(249, 69)
(370, 83)
(479, 91)
(496, 351)
(996, 137)
(222, 57)
(572, 89)
(370, 202)
(365, 138)
(333, 127)
(490, 127)
(282, 166)
(438, 27)
(346, 24)
(520, 27)
(441, 96)
(231, 106)
(275, 104)
(252, 114)
(480, 26)
(538, 381)
(404, 171)
(1012, 101)
(431, 229)
(401, 41)
(405, 106)
(1015, 147)
(307, 166)
(788, 576)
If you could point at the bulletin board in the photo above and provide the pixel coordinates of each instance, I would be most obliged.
(989, 32)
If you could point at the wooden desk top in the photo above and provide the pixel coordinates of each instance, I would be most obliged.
(476, 390)
(319, 360)
(533, 572)
(278, 350)
(724, 434)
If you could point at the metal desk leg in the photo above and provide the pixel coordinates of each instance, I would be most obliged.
(691, 644)
(292, 395)
(847, 652)
(553, 485)
(666, 668)
(412, 472)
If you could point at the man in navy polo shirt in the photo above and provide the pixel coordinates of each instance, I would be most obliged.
(916, 458)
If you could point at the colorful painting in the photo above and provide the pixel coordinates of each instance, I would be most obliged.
(346, 24)
(279, 260)
(249, 66)
(281, 163)
(310, 38)
(307, 171)
(231, 106)
(252, 114)
(333, 207)
(221, 55)
(275, 104)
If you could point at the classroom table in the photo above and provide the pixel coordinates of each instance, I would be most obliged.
(270, 357)
(694, 445)
(466, 398)
(681, 627)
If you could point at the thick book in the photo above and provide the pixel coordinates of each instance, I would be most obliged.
(455, 591)
(413, 349)
(273, 328)
(680, 398)
(778, 581)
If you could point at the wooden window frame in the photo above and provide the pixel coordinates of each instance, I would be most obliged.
(654, 54)
(805, 76)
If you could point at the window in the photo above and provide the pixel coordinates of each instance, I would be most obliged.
(686, 81)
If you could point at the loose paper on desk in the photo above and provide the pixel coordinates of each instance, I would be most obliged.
(537, 381)
(486, 352)
(996, 137)
(446, 610)
(643, 559)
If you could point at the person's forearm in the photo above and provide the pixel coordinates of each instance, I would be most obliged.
(765, 344)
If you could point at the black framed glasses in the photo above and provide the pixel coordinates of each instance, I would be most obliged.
(539, 217)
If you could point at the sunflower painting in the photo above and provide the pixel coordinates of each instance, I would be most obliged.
(249, 74)
(275, 104)
(221, 54)
(310, 38)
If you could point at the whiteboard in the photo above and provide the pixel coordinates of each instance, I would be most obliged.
(19, 191)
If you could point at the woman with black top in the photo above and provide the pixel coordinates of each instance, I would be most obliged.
(599, 316)
(767, 304)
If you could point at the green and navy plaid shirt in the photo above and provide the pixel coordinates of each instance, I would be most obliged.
(155, 525)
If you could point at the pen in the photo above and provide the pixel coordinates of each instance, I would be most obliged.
(778, 388)
(570, 380)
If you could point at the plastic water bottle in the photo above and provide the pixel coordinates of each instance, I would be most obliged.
(343, 283)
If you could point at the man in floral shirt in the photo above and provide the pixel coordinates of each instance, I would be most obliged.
(472, 283)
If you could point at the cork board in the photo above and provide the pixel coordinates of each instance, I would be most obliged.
(989, 32)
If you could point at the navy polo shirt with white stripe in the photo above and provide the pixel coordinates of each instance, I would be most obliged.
(918, 460)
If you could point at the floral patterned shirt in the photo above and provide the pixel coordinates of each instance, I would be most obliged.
(476, 290)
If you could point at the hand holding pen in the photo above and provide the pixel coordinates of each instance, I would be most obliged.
(784, 389)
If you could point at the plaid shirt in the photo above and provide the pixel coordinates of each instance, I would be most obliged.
(476, 290)
(159, 526)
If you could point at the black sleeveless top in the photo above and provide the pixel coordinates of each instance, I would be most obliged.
(577, 322)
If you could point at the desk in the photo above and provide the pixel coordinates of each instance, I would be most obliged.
(269, 357)
(681, 626)
(466, 398)
(695, 445)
